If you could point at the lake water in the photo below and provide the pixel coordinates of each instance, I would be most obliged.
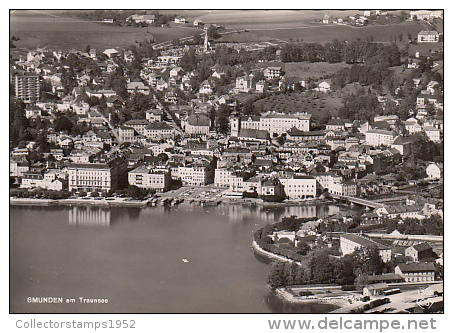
(133, 258)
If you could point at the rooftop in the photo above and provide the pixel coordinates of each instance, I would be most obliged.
(417, 267)
(363, 241)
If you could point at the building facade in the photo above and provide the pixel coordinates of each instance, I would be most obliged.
(26, 86)
(379, 137)
(416, 272)
(96, 177)
(150, 178)
(299, 187)
(350, 242)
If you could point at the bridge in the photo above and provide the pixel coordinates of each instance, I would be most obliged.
(358, 201)
(390, 199)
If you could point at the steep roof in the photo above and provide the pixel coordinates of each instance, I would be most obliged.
(377, 286)
(384, 277)
(427, 32)
(135, 122)
(400, 140)
(254, 133)
(417, 267)
(198, 120)
(336, 122)
(363, 241)
(158, 126)
(422, 247)
(379, 131)
(297, 132)
(402, 209)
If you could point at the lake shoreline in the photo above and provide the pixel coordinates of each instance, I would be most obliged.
(147, 203)
(339, 302)
(75, 202)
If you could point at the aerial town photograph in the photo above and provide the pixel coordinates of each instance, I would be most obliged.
(226, 161)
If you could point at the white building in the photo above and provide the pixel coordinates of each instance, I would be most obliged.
(401, 212)
(434, 171)
(206, 88)
(323, 86)
(18, 167)
(96, 176)
(412, 126)
(428, 37)
(154, 115)
(48, 181)
(350, 242)
(26, 86)
(432, 133)
(244, 84)
(345, 189)
(299, 186)
(280, 123)
(126, 134)
(416, 272)
(150, 178)
(196, 174)
(379, 137)
(326, 180)
(159, 131)
(180, 20)
(228, 178)
(139, 125)
(196, 124)
(271, 73)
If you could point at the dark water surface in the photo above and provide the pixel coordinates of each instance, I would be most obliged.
(133, 258)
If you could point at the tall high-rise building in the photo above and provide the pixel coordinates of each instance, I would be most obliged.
(26, 86)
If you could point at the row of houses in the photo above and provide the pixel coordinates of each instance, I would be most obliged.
(419, 267)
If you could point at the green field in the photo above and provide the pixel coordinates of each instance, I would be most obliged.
(53, 30)
(425, 48)
(316, 70)
(316, 104)
(240, 19)
(57, 32)
(327, 33)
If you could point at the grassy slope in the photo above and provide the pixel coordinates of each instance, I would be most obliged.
(296, 102)
(326, 33)
(312, 70)
(39, 30)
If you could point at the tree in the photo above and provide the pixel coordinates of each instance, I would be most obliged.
(62, 123)
(290, 273)
(281, 139)
(222, 119)
(18, 121)
(361, 281)
(302, 248)
(424, 149)
(368, 259)
(276, 278)
(324, 269)
(197, 39)
(212, 32)
(346, 275)
(163, 157)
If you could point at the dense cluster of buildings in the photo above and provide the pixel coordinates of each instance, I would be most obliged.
(276, 154)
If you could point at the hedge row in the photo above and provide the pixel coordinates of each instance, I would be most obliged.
(39, 194)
